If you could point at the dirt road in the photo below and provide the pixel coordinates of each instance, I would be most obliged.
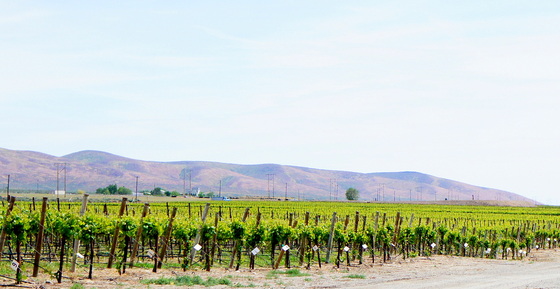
(541, 269)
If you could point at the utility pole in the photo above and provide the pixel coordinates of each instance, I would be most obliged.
(64, 179)
(268, 178)
(419, 189)
(8, 189)
(286, 194)
(330, 189)
(336, 188)
(57, 183)
(184, 182)
(136, 191)
(60, 167)
(220, 191)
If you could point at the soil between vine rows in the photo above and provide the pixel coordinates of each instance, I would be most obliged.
(540, 269)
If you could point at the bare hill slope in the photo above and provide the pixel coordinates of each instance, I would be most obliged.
(89, 170)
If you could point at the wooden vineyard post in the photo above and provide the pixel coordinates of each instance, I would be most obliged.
(331, 236)
(3, 234)
(293, 224)
(116, 235)
(76, 240)
(236, 242)
(39, 245)
(167, 237)
(210, 259)
(252, 256)
(277, 263)
(303, 242)
(19, 260)
(197, 238)
(138, 235)
(346, 221)
(352, 244)
(373, 236)
(397, 230)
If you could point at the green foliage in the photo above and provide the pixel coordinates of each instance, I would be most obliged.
(151, 228)
(352, 194)
(113, 190)
(238, 230)
(65, 224)
(289, 273)
(172, 194)
(17, 226)
(157, 191)
(356, 276)
(90, 228)
(206, 195)
(77, 286)
(495, 229)
(188, 281)
(128, 226)
(208, 232)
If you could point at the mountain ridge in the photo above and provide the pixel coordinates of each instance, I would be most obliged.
(90, 169)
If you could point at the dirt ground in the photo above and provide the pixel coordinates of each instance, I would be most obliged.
(540, 269)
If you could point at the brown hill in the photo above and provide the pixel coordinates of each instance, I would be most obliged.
(89, 170)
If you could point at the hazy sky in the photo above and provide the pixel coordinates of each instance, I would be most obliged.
(468, 90)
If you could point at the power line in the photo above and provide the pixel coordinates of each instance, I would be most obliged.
(270, 177)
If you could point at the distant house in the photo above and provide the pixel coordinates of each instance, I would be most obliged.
(59, 192)
(220, 199)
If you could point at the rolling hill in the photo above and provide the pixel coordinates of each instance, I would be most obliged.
(89, 170)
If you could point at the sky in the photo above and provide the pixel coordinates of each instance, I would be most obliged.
(468, 91)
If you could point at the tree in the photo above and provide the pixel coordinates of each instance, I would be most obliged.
(124, 191)
(113, 190)
(352, 194)
(158, 191)
(207, 195)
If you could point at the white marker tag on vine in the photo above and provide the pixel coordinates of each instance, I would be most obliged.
(15, 265)
(79, 255)
(255, 251)
(285, 247)
(364, 246)
(197, 247)
(346, 249)
(433, 245)
(315, 248)
(151, 253)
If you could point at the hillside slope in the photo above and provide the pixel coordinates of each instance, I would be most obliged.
(89, 170)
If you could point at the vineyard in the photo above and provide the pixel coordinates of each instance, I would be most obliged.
(53, 237)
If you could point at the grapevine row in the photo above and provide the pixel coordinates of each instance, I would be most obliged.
(250, 235)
